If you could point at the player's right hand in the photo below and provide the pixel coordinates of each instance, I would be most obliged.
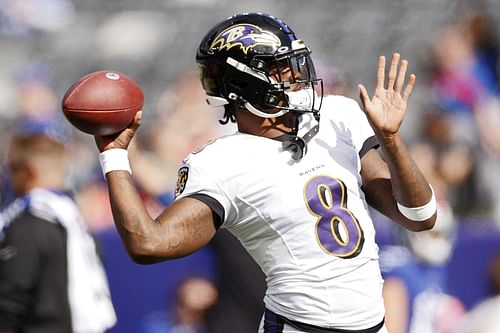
(120, 140)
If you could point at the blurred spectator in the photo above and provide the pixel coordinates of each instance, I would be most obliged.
(484, 317)
(465, 88)
(487, 119)
(38, 109)
(480, 29)
(456, 90)
(450, 164)
(51, 279)
(415, 287)
(36, 112)
(464, 73)
(482, 35)
(195, 296)
(20, 17)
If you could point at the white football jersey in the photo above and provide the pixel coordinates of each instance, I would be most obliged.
(306, 223)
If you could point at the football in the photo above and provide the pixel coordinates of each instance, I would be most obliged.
(102, 102)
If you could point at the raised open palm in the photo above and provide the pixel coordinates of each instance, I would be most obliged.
(386, 109)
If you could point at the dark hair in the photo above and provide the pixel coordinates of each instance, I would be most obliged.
(228, 116)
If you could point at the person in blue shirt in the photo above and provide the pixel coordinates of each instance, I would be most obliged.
(415, 288)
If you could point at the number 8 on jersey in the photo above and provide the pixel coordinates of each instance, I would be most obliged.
(337, 230)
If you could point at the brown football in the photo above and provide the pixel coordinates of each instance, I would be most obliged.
(102, 102)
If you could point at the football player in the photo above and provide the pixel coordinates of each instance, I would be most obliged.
(292, 184)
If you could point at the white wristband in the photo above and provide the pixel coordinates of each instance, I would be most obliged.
(114, 159)
(421, 213)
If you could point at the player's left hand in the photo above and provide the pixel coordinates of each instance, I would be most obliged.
(386, 109)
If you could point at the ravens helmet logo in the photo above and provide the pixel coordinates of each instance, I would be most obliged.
(246, 36)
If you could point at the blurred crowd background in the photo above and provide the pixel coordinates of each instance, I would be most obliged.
(452, 125)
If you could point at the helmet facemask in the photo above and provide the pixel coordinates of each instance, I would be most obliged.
(272, 86)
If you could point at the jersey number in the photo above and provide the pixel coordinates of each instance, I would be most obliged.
(337, 230)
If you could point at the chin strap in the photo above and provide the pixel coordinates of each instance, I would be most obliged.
(293, 143)
(297, 145)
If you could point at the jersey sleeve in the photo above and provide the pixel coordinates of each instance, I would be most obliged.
(198, 182)
(364, 138)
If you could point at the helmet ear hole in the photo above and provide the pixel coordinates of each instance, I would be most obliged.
(271, 100)
(275, 99)
(258, 64)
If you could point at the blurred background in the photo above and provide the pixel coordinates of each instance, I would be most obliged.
(451, 125)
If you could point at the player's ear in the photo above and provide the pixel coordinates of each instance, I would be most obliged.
(22, 177)
(31, 171)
